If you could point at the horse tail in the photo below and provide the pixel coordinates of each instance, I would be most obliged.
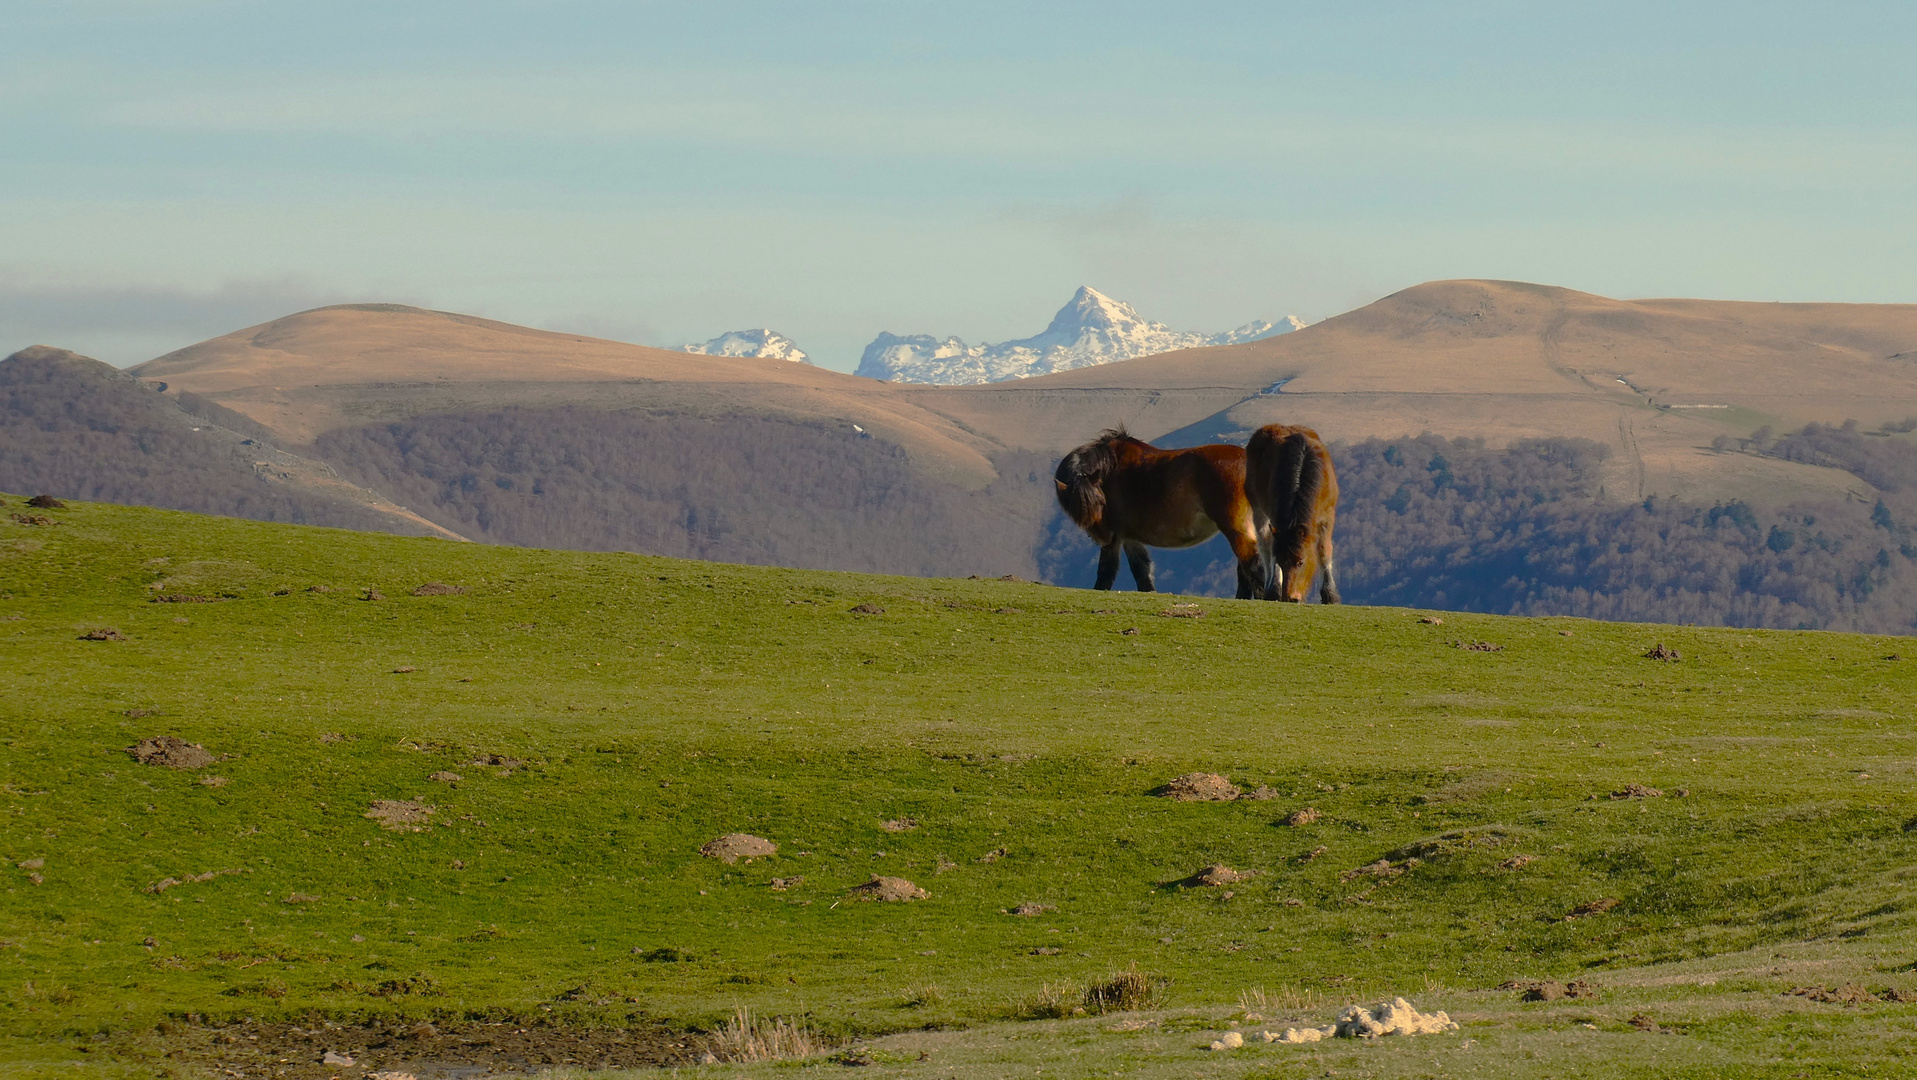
(1080, 479)
(1298, 477)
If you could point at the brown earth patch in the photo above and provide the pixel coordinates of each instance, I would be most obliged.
(171, 752)
(140, 714)
(1214, 875)
(904, 824)
(319, 588)
(1660, 652)
(185, 598)
(214, 781)
(1383, 868)
(1847, 994)
(401, 815)
(1007, 611)
(437, 1050)
(732, 847)
(331, 737)
(993, 855)
(371, 594)
(34, 519)
(46, 502)
(1198, 787)
(439, 588)
(889, 889)
(1031, 909)
(1644, 1023)
(1550, 990)
(1432, 620)
(1182, 611)
(164, 884)
(1300, 818)
(1595, 907)
(103, 633)
(781, 884)
(1517, 862)
(445, 777)
(1637, 791)
(867, 608)
(1477, 646)
(498, 761)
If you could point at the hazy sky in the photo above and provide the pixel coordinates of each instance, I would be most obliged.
(660, 173)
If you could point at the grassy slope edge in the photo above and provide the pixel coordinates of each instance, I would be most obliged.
(654, 704)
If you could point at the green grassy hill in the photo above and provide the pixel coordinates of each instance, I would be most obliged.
(605, 715)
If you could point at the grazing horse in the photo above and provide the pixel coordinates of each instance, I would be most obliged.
(1290, 481)
(1128, 494)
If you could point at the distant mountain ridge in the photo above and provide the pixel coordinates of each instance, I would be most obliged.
(1091, 329)
(768, 344)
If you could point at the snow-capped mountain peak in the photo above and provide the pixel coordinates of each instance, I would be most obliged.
(1090, 329)
(763, 343)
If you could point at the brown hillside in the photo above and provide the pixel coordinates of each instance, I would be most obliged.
(1657, 380)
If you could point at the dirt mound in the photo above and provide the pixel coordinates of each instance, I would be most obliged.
(172, 752)
(1380, 869)
(1637, 791)
(1847, 994)
(1031, 909)
(46, 502)
(1300, 818)
(439, 588)
(1182, 611)
(904, 824)
(1198, 787)
(889, 889)
(1550, 990)
(1517, 862)
(103, 633)
(140, 714)
(1595, 907)
(401, 815)
(1214, 875)
(732, 847)
(444, 777)
(867, 608)
(184, 598)
(1477, 646)
(1659, 652)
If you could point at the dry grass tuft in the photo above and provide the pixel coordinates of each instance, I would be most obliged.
(758, 1038)
(1126, 991)
(918, 997)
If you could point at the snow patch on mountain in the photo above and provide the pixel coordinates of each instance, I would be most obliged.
(1091, 329)
(765, 343)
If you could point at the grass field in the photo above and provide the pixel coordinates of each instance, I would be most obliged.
(633, 708)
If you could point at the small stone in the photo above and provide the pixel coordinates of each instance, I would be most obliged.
(334, 1057)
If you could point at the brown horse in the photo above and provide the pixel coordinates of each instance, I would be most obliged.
(1291, 483)
(1128, 494)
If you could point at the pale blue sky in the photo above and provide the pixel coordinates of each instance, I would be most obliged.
(662, 173)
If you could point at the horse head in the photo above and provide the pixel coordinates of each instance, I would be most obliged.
(1080, 480)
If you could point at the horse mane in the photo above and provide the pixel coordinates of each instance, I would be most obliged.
(1081, 476)
(1300, 472)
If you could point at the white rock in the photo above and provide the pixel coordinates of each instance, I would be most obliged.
(1230, 1040)
(334, 1057)
(1395, 1017)
(1091, 329)
(769, 344)
(1301, 1035)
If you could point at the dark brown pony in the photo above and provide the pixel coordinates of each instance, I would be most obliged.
(1293, 487)
(1128, 494)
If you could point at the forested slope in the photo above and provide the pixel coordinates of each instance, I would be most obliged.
(1450, 523)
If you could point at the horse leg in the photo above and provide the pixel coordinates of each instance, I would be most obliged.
(1251, 564)
(1329, 593)
(1107, 565)
(1141, 559)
